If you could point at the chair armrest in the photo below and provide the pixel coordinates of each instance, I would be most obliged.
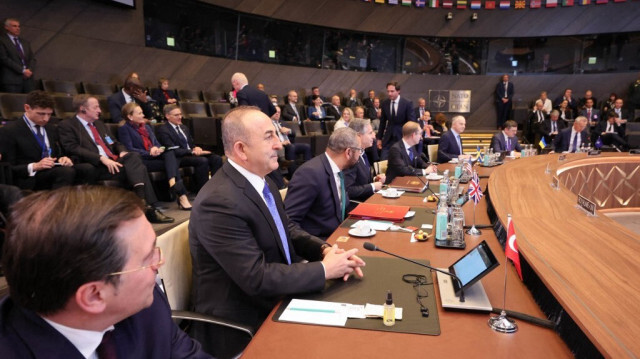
(187, 315)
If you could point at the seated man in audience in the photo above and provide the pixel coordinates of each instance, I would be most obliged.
(572, 102)
(317, 198)
(551, 127)
(506, 140)
(132, 91)
(374, 112)
(357, 179)
(611, 132)
(352, 100)
(163, 95)
(591, 113)
(291, 150)
(450, 146)
(570, 139)
(421, 109)
(173, 134)
(246, 252)
(315, 91)
(294, 112)
(547, 106)
(537, 117)
(94, 294)
(588, 95)
(335, 109)
(621, 114)
(368, 102)
(404, 160)
(32, 147)
(87, 139)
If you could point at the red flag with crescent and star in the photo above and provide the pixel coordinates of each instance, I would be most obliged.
(511, 247)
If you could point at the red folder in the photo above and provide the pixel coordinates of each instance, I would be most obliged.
(380, 211)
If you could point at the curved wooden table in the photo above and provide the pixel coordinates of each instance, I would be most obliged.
(589, 264)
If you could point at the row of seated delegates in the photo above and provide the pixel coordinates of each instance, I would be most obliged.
(17, 60)
(247, 253)
(404, 160)
(317, 199)
(31, 146)
(137, 136)
(162, 95)
(290, 150)
(94, 295)
(86, 139)
(506, 140)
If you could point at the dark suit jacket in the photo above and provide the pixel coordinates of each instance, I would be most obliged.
(288, 114)
(76, 141)
(149, 333)
(168, 137)
(416, 113)
(312, 200)
(595, 115)
(448, 147)
(563, 139)
(249, 96)
(602, 127)
(546, 128)
(132, 140)
(159, 97)
(240, 270)
(10, 63)
(115, 103)
(390, 130)
(347, 102)
(400, 165)
(357, 181)
(498, 143)
(573, 104)
(331, 111)
(367, 102)
(312, 109)
(500, 93)
(20, 148)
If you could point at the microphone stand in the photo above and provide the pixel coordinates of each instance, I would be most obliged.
(372, 247)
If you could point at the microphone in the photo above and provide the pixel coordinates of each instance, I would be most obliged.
(372, 247)
(426, 185)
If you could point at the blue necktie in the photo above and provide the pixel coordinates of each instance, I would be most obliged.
(41, 142)
(271, 204)
(574, 147)
(182, 138)
(459, 145)
(508, 144)
(343, 196)
(411, 157)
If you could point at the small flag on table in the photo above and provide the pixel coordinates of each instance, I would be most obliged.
(535, 4)
(476, 4)
(419, 3)
(600, 2)
(475, 192)
(462, 4)
(542, 143)
(447, 4)
(551, 3)
(392, 2)
(567, 2)
(406, 2)
(511, 247)
(519, 4)
(505, 4)
(598, 143)
(490, 4)
(379, 1)
(585, 2)
(433, 3)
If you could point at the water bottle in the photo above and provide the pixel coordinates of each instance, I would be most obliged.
(458, 171)
(442, 217)
(444, 183)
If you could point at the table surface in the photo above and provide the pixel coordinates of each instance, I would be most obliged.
(463, 333)
(590, 264)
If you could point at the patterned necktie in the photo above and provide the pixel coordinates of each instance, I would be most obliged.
(99, 142)
(343, 196)
(182, 138)
(271, 204)
(20, 52)
(107, 348)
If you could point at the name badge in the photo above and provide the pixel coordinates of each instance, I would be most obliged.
(108, 140)
(586, 205)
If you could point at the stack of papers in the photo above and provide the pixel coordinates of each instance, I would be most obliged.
(375, 225)
(330, 313)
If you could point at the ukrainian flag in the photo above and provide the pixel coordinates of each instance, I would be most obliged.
(542, 143)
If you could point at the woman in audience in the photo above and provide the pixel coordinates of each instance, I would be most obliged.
(138, 137)
(565, 111)
(608, 104)
(316, 112)
(347, 115)
(162, 95)
(358, 112)
(440, 123)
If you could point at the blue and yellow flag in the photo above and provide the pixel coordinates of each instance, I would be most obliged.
(542, 143)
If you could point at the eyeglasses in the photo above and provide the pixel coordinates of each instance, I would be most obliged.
(157, 260)
(357, 149)
(419, 283)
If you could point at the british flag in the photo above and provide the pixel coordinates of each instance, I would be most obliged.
(475, 192)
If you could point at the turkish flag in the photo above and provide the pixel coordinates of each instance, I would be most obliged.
(511, 247)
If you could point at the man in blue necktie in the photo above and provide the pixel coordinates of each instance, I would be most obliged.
(16, 60)
(450, 146)
(246, 252)
(506, 140)
(570, 139)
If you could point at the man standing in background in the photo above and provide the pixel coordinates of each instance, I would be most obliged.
(16, 60)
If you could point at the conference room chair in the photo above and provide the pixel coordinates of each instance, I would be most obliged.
(68, 88)
(187, 95)
(380, 167)
(219, 109)
(432, 150)
(330, 126)
(207, 131)
(211, 96)
(101, 89)
(633, 134)
(63, 106)
(176, 279)
(194, 109)
(104, 107)
(312, 128)
(12, 105)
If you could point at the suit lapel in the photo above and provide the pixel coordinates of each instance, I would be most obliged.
(334, 188)
(25, 132)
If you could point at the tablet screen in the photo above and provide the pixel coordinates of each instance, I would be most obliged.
(474, 265)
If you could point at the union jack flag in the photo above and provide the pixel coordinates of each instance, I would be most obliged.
(475, 192)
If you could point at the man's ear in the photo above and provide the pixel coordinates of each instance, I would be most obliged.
(91, 297)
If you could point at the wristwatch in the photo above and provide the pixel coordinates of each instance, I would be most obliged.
(322, 248)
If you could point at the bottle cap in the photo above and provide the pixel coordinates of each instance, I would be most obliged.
(389, 298)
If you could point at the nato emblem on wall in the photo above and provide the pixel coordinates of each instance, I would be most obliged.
(450, 101)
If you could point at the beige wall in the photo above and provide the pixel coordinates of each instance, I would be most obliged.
(82, 40)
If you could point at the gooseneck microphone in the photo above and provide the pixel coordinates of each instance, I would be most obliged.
(426, 185)
(372, 247)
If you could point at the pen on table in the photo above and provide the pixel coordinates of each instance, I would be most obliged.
(313, 310)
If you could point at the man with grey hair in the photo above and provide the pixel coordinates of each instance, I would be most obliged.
(450, 146)
(358, 180)
(246, 252)
(16, 60)
(570, 139)
(249, 96)
(317, 198)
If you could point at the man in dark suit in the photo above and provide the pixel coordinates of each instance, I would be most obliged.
(16, 60)
(421, 109)
(570, 139)
(358, 180)
(610, 132)
(506, 140)
(450, 145)
(87, 139)
(404, 160)
(572, 102)
(246, 253)
(622, 114)
(32, 148)
(97, 260)
(315, 91)
(132, 91)
(368, 102)
(396, 111)
(504, 96)
(317, 199)
(551, 127)
(535, 122)
(374, 112)
(591, 113)
(352, 100)
(291, 149)
(249, 96)
(173, 134)
(294, 112)
(588, 95)
(334, 109)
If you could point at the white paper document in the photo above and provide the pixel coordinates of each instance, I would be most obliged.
(377, 311)
(321, 313)
(375, 225)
